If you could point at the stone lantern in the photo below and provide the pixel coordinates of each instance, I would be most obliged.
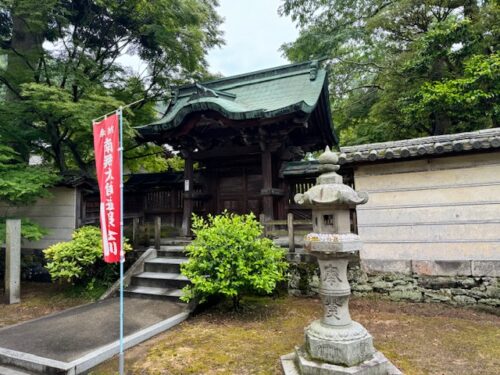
(334, 344)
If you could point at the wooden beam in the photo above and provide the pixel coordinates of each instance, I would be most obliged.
(157, 232)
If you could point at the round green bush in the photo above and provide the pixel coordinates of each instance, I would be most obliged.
(81, 259)
(229, 256)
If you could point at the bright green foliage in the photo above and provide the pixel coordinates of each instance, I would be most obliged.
(404, 68)
(229, 257)
(81, 259)
(21, 184)
(65, 67)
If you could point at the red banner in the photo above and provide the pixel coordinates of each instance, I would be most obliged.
(107, 159)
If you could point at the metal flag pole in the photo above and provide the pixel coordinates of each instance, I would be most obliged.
(119, 113)
(122, 251)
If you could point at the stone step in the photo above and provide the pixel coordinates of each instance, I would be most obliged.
(164, 265)
(160, 280)
(172, 248)
(148, 291)
(163, 260)
(163, 276)
(171, 254)
(177, 241)
(11, 370)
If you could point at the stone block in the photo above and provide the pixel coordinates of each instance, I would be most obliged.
(436, 297)
(347, 346)
(437, 283)
(407, 295)
(441, 267)
(464, 300)
(377, 364)
(382, 286)
(371, 266)
(490, 302)
(486, 268)
(363, 288)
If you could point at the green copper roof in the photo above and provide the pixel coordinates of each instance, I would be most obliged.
(263, 94)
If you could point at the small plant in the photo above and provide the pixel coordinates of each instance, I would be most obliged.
(80, 261)
(229, 256)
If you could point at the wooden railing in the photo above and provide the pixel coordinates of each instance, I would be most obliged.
(289, 227)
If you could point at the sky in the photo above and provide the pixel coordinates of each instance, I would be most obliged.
(253, 32)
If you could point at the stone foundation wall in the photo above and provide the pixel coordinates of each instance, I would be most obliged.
(455, 290)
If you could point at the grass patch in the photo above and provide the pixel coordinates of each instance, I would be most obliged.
(418, 338)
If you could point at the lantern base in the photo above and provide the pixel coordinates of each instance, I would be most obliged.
(341, 345)
(300, 363)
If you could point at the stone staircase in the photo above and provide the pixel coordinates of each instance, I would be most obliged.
(161, 277)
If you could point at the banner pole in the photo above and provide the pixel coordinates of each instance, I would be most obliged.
(122, 251)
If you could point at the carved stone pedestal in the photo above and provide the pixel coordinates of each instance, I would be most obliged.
(334, 344)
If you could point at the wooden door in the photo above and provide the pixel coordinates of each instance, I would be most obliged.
(239, 192)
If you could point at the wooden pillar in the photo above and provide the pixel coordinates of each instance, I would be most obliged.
(13, 261)
(267, 185)
(135, 231)
(188, 201)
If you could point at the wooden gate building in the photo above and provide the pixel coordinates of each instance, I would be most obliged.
(240, 131)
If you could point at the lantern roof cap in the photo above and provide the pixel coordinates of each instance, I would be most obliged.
(330, 191)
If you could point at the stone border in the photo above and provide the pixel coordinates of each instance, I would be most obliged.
(49, 366)
(479, 268)
(135, 268)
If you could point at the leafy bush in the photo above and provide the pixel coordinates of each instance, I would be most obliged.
(229, 257)
(81, 259)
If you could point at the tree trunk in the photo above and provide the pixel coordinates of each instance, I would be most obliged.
(25, 49)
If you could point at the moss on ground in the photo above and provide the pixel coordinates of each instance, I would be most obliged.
(418, 338)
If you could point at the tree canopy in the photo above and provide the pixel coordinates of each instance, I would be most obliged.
(65, 66)
(403, 68)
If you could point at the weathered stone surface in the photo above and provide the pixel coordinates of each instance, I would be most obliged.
(493, 291)
(372, 266)
(464, 300)
(364, 288)
(436, 283)
(468, 282)
(486, 268)
(347, 346)
(489, 301)
(376, 365)
(441, 268)
(409, 295)
(382, 286)
(436, 297)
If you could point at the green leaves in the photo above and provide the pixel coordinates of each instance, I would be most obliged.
(229, 257)
(400, 69)
(19, 182)
(64, 70)
(81, 258)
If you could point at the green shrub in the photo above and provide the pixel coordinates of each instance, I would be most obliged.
(80, 260)
(229, 257)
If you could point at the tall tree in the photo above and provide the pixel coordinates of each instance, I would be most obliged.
(403, 68)
(66, 66)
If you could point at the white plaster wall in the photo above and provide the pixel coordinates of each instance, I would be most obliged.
(57, 214)
(436, 209)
